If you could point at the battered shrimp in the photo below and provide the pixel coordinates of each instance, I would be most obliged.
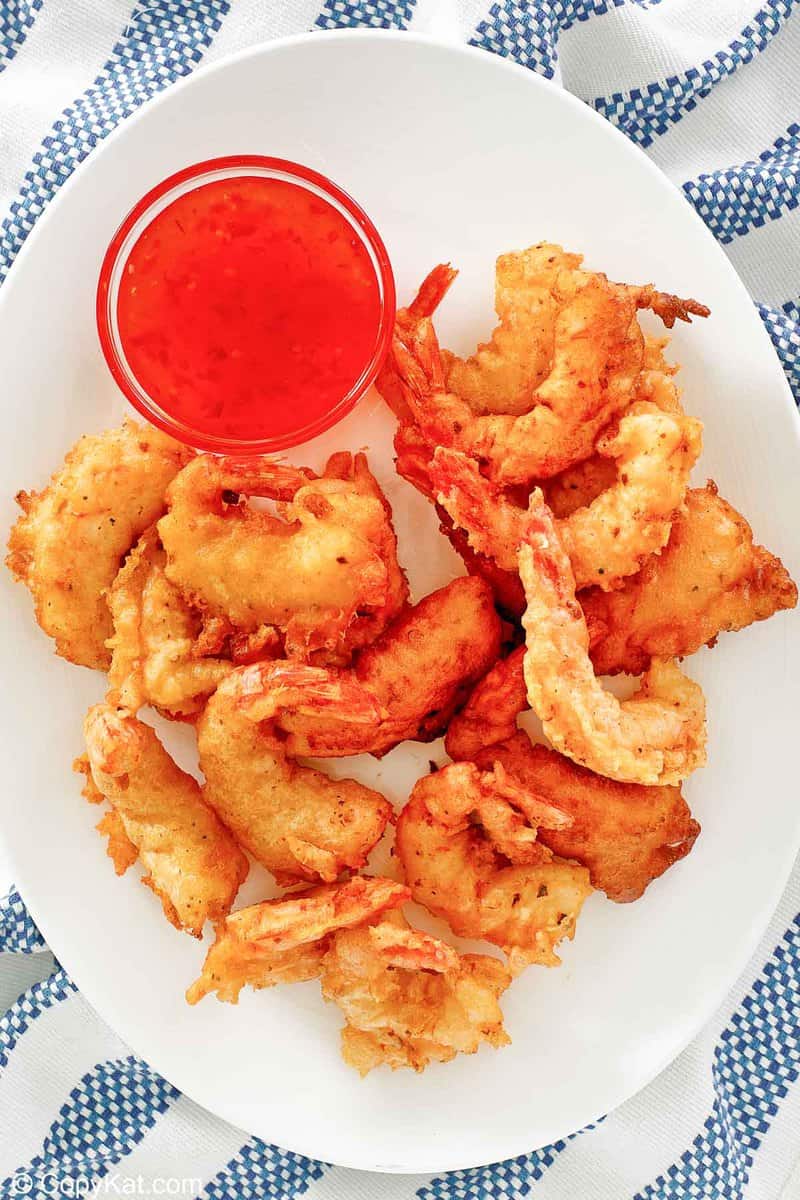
(611, 538)
(424, 304)
(656, 737)
(416, 675)
(709, 578)
(592, 350)
(296, 821)
(194, 865)
(654, 453)
(285, 940)
(575, 488)
(155, 657)
(324, 570)
(580, 484)
(505, 585)
(69, 543)
(490, 714)
(413, 461)
(503, 373)
(413, 454)
(410, 999)
(468, 844)
(627, 835)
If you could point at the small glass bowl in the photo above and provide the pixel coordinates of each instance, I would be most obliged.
(157, 199)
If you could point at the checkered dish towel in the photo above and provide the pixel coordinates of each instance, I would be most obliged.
(709, 88)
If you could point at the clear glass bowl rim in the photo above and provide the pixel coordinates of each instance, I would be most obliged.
(157, 198)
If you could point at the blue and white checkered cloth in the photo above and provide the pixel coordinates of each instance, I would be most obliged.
(709, 88)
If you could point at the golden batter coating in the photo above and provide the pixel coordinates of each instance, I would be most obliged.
(194, 865)
(323, 568)
(627, 835)
(416, 674)
(710, 578)
(468, 844)
(565, 360)
(295, 820)
(285, 940)
(156, 649)
(656, 736)
(72, 537)
(410, 999)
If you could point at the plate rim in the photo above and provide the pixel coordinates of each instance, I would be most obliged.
(781, 876)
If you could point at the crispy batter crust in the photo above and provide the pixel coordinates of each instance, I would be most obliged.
(285, 940)
(295, 820)
(410, 999)
(72, 537)
(194, 865)
(324, 569)
(710, 578)
(468, 845)
(418, 672)
(627, 835)
(155, 647)
(565, 360)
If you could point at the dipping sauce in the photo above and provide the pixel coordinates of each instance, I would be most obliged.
(248, 309)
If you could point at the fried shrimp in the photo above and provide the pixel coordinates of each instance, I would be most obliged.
(506, 587)
(654, 453)
(490, 714)
(324, 569)
(656, 737)
(609, 539)
(580, 485)
(410, 999)
(592, 352)
(415, 675)
(296, 821)
(424, 304)
(627, 835)
(502, 376)
(194, 865)
(72, 537)
(285, 940)
(413, 462)
(468, 844)
(155, 647)
(710, 578)
(503, 373)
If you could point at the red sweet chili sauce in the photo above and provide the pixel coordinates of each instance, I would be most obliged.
(250, 309)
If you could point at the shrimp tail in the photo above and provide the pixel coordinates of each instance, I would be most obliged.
(412, 950)
(493, 525)
(432, 291)
(418, 362)
(669, 308)
(264, 477)
(268, 688)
